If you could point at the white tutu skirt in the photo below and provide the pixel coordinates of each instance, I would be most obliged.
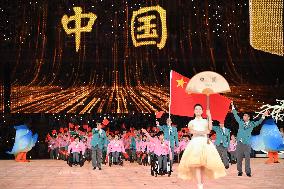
(199, 153)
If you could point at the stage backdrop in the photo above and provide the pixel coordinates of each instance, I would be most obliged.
(96, 56)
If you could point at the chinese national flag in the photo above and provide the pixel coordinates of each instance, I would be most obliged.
(182, 103)
(77, 127)
(48, 137)
(85, 127)
(61, 130)
(105, 122)
(71, 126)
(159, 114)
(54, 132)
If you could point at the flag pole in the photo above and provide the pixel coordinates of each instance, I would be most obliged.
(171, 75)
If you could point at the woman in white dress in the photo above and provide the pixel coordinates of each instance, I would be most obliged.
(200, 158)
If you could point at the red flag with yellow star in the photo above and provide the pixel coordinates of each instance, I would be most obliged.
(159, 114)
(182, 103)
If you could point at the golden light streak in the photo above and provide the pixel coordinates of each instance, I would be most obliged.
(90, 99)
(87, 99)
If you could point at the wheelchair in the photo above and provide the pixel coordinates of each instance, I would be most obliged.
(177, 156)
(156, 170)
(111, 159)
(88, 155)
(70, 160)
(132, 155)
(232, 161)
(144, 159)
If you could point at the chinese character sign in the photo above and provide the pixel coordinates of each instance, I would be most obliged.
(78, 28)
(148, 27)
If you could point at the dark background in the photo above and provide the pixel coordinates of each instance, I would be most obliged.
(202, 35)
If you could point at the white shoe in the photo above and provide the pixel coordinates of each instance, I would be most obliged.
(200, 186)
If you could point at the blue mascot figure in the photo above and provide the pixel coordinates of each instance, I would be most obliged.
(269, 140)
(24, 142)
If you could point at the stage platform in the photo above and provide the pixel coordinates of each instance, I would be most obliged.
(56, 174)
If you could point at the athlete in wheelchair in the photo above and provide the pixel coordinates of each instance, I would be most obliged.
(160, 161)
(114, 150)
(75, 153)
(142, 155)
(160, 165)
